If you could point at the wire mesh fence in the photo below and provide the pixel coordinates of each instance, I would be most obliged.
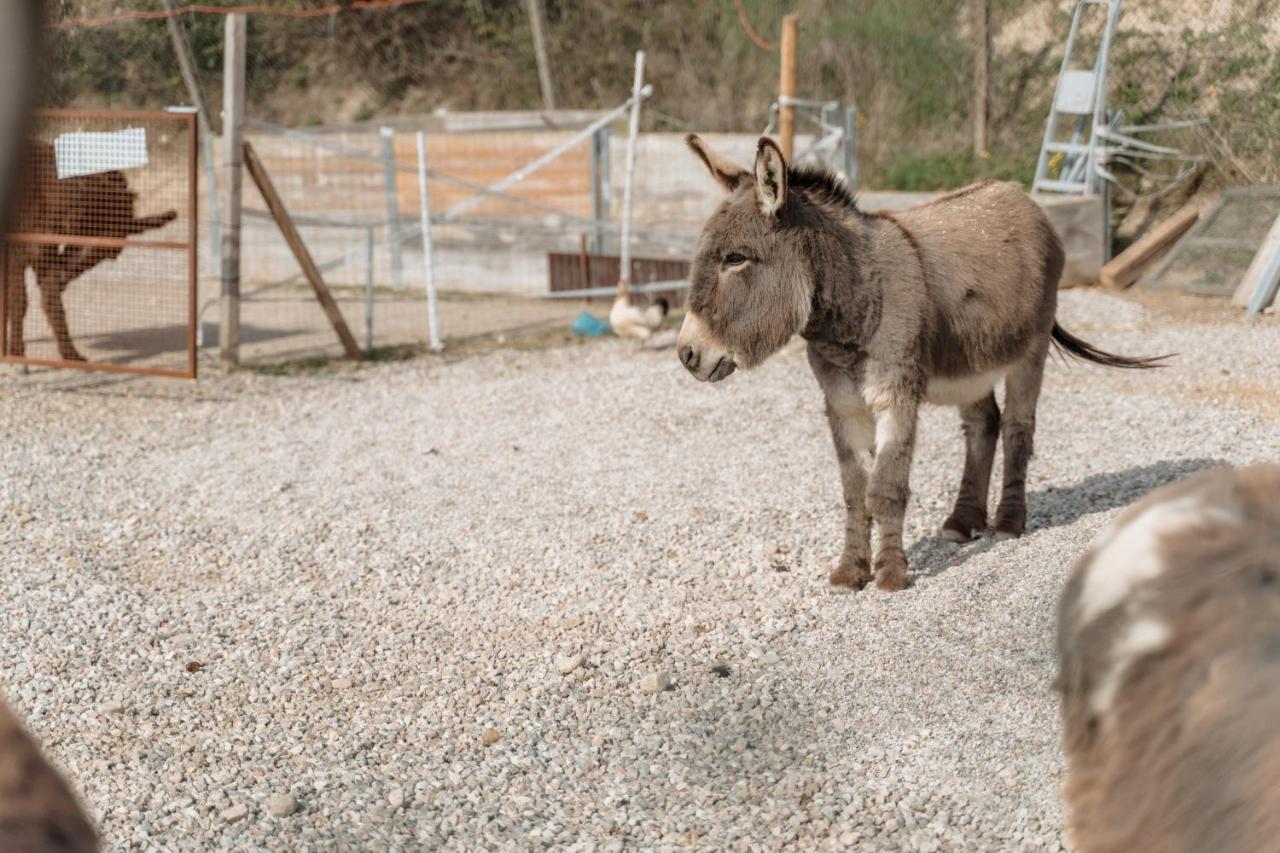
(100, 265)
(354, 193)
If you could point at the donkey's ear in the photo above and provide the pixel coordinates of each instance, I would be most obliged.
(726, 172)
(771, 177)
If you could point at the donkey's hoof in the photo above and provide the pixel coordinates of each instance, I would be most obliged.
(853, 573)
(1010, 522)
(964, 526)
(891, 571)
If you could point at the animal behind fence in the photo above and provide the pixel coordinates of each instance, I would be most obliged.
(100, 205)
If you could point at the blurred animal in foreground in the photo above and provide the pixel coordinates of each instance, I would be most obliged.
(38, 812)
(1169, 653)
(632, 321)
(90, 206)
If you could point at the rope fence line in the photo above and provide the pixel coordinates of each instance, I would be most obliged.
(257, 9)
(750, 30)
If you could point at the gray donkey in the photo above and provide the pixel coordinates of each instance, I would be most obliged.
(933, 304)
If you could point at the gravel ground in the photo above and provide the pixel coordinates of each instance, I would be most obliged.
(561, 598)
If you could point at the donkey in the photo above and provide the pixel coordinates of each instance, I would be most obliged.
(97, 205)
(38, 811)
(934, 304)
(1169, 671)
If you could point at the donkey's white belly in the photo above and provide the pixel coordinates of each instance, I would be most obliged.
(962, 391)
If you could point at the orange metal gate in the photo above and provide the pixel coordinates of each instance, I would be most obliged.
(99, 267)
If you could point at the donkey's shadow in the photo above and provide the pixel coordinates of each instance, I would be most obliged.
(1052, 507)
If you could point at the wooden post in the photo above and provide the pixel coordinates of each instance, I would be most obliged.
(787, 89)
(187, 65)
(536, 24)
(232, 160)
(981, 76)
(290, 233)
(584, 262)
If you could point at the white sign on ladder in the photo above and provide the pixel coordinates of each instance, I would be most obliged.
(1076, 94)
(1069, 154)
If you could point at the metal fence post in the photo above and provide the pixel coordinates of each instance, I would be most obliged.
(368, 289)
(393, 208)
(232, 161)
(428, 259)
(599, 188)
(633, 134)
(215, 206)
(851, 146)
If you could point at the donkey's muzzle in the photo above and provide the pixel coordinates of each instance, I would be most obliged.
(694, 363)
(722, 368)
(701, 357)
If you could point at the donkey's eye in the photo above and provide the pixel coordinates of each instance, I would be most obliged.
(733, 259)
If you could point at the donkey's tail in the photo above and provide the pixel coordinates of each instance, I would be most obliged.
(146, 223)
(1085, 351)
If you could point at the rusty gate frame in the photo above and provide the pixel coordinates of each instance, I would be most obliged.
(187, 122)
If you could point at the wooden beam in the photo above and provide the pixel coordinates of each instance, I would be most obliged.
(787, 89)
(981, 76)
(187, 65)
(290, 233)
(1127, 267)
(537, 24)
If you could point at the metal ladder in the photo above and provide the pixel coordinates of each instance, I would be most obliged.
(1080, 95)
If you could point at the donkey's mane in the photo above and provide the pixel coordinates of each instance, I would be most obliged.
(822, 185)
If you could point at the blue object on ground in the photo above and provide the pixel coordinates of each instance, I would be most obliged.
(588, 325)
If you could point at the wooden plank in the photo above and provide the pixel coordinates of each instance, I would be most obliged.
(981, 75)
(1260, 275)
(1125, 268)
(536, 25)
(187, 65)
(299, 248)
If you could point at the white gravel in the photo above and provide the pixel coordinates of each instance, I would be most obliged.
(340, 610)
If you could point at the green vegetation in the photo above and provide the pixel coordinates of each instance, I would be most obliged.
(906, 64)
(951, 169)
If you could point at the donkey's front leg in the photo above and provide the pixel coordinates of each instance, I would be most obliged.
(16, 306)
(851, 429)
(888, 489)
